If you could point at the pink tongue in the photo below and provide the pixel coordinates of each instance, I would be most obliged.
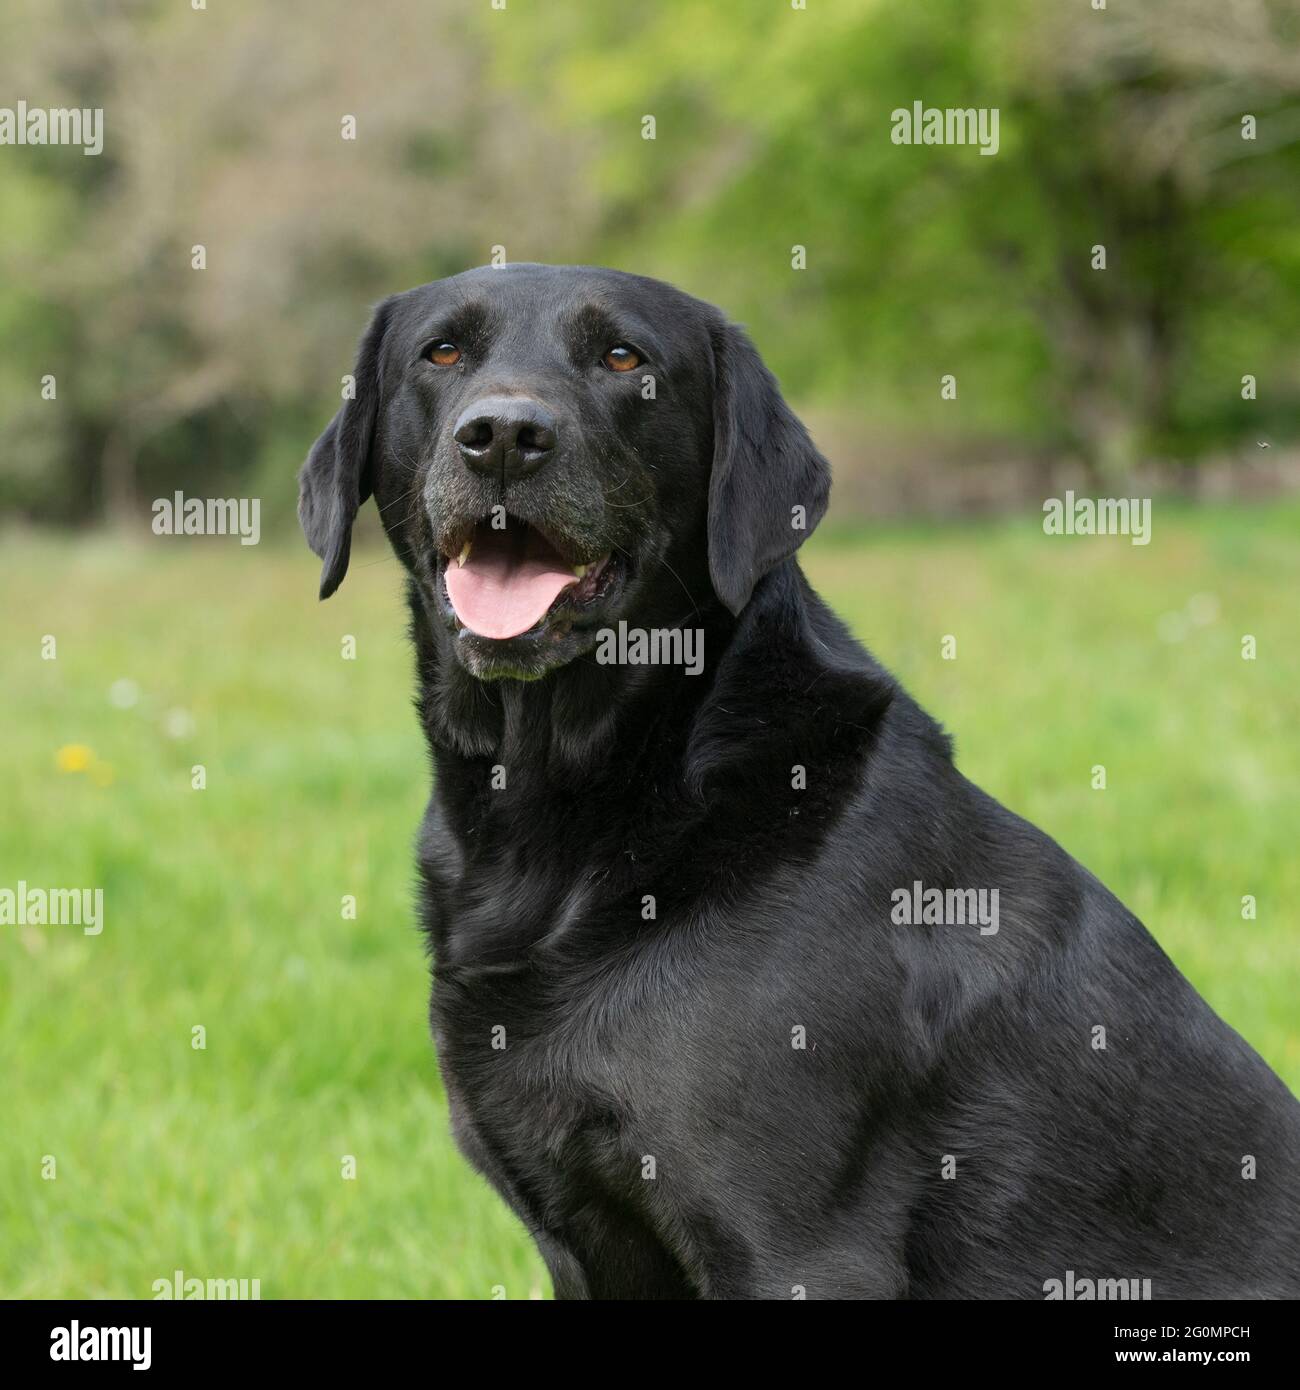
(507, 584)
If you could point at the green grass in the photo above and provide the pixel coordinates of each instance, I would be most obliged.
(222, 906)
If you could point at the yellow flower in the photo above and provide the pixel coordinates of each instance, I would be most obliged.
(74, 757)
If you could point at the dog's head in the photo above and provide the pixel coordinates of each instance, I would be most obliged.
(555, 448)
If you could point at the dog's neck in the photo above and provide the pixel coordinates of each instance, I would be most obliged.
(639, 784)
(571, 720)
(587, 723)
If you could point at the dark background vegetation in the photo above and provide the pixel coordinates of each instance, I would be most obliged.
(522, 128)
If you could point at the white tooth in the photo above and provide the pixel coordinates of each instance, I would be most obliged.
(581, 570)
(463, 556)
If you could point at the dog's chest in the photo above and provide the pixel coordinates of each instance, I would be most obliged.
(565, 1108)
(592, 1031)
(551, 1060)
(564, 1061)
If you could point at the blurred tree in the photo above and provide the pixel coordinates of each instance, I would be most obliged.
(1119, 127)
(225, 130)
(523, 127)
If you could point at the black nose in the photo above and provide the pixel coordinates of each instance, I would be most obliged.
(506, 436)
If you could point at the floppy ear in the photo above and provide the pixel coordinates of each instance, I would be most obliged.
(336, 479)
(765, 467)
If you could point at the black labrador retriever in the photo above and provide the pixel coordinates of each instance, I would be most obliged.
(741, 990)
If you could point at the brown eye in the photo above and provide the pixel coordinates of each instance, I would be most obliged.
(444, 354)
(621, 359)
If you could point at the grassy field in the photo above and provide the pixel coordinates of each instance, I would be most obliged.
(222, 906)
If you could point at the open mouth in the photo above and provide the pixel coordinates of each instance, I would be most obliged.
(504, 583)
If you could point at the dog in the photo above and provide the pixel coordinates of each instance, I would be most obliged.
(709, 1011)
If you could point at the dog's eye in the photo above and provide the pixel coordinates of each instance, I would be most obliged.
(621, 359)
(444, 354)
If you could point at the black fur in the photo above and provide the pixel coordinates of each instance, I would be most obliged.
(629, 1040)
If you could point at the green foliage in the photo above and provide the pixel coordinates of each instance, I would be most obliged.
(1116, 129)
(522, 128)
